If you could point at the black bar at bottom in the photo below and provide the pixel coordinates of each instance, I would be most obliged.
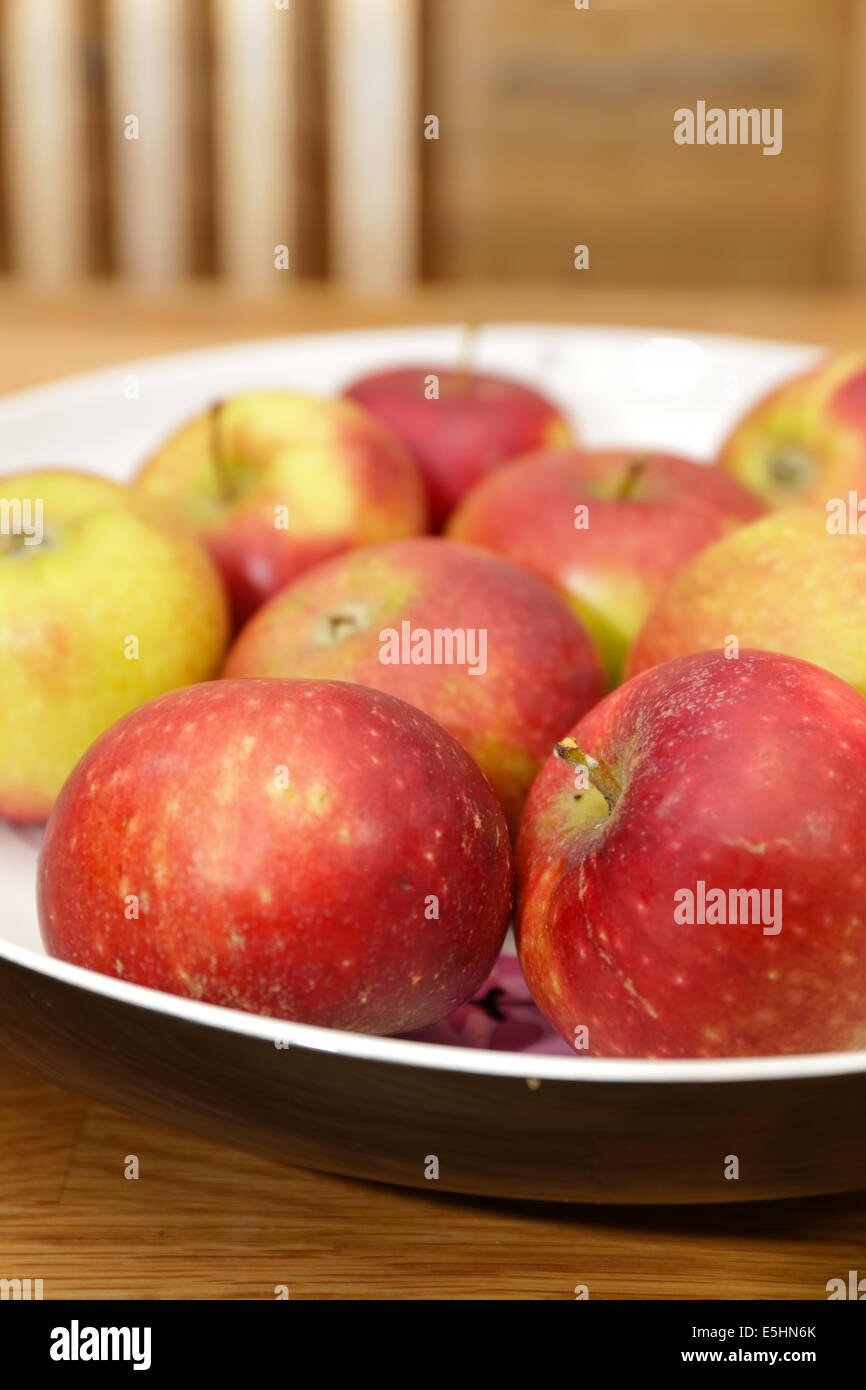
(155, 1338)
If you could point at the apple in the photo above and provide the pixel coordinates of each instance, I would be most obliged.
(513, 669)
(101, 608)
(607, 528)
(703, 897)
(784, 584)
(805, 442)
(275, 481)
(309, 850)
(459, 424)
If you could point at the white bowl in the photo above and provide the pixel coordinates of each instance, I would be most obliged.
(536, 1122)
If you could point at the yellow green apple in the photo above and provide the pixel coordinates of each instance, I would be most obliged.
(786, 584)
(102, 606)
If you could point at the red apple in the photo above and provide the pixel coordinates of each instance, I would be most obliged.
(303, 849)
(805, 442)
(608, 528)
(511, 670)
(705, 778)
(273, 482)
(460, 425)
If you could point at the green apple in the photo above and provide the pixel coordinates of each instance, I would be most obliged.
(102, 606)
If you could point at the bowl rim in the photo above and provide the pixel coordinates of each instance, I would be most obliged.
(371, 1047)
(449, 336)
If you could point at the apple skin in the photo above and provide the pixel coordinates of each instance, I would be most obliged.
(303, 901)
(542, 672)
(805, 442)
(783, 584)
(748, 773)
(106, 570)
(647, 513)
(477, 422)
(344, 479)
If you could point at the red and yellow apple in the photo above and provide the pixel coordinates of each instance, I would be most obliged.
(703, 896)
(273, 482)
(805, 442)
(486, 648)
(460, 424)
(607, 528)
(308, 850)
(101, 608)
(784, 584)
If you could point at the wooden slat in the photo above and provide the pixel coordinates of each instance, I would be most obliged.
(849, 244)
(375, 141)
(43, 85)
(96, 125)
(256, 196)
(199, 48)
(147, 80)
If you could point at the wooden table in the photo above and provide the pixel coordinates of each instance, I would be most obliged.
(207, 1222)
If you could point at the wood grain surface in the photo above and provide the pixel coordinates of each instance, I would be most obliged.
(207, 1222)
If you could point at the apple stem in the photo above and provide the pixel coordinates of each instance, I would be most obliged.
(341, 625)
(598, 774)
(224, 480)
(630, 478)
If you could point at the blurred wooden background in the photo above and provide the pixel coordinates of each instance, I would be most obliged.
(301, 123)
